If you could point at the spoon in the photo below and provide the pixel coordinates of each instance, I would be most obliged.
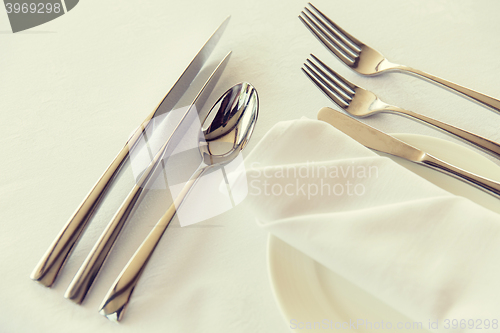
(225, 132)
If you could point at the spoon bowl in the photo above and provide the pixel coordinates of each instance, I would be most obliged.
(229, 124)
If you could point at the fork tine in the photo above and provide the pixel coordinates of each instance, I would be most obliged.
(324, 87)
(350, 37)
(340, 40)
(317, 32)
(335, 37)
(336, 75)
(332, 82)
(340, 103)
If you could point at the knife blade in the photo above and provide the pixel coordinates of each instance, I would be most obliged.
(55, 257)
(385, 143)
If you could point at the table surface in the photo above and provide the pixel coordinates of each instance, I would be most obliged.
(73, 89)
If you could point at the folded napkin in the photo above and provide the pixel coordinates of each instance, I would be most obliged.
(425, 252)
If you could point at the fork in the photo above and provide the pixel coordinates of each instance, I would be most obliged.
(361, 103)
(367, 61)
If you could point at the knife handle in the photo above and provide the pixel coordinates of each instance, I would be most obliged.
(88, 272)
(54, 259)
(489, 186)
(484, 144)
(86, 275)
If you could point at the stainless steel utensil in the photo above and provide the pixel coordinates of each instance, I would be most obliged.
(368, 61)
(53, 260)
(86, 275)
(377, 140)
(362, 103)
(230, 122)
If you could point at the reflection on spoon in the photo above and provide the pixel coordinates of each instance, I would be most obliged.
(226, 131)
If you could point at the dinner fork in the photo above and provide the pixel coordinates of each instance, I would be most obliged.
(368, 61)
(360, 102)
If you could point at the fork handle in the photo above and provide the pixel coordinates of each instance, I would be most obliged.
(484, 144)
(490, 186)
(476, 96)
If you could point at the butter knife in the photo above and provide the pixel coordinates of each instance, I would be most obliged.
(377, 140)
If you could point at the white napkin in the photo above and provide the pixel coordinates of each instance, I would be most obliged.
(425, 252)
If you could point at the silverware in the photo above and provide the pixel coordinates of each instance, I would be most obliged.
(377, 140)
(53, 260)
(361, 103)
(86, 275)
(368, 61)
(236, 114)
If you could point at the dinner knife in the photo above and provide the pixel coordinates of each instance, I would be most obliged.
(380, 141)
(54, 259)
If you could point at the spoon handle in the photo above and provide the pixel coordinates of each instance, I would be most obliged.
(118, 296)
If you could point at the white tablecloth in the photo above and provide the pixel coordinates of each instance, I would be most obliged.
(73, 89)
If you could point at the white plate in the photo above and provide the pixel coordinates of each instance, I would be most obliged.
(306, 291)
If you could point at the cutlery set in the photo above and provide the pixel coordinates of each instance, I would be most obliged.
(360, 103)
(224, 132)
(90, 268)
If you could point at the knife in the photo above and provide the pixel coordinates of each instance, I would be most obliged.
(86, 275)
(54, 259)
(385, 143)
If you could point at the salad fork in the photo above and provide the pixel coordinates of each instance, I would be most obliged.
(360, 102)
(367, 61)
